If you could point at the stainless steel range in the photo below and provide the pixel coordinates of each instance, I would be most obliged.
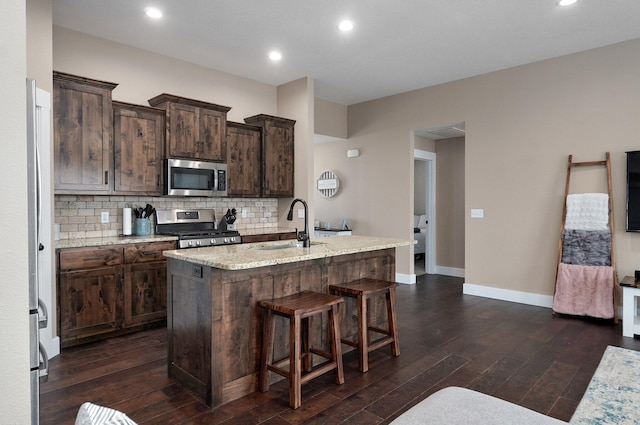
(194, 228)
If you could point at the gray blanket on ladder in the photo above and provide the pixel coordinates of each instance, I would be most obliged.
(586, 247)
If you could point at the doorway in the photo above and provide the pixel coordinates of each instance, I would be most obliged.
(424, 211)
(449, 142)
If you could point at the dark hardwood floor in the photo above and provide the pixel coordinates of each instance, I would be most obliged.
(519, 353)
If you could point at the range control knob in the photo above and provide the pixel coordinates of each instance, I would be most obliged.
(213, 241)
(190, 243)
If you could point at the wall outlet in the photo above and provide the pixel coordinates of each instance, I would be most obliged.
(196, 271)
(104, 217)
(301, 213)
(244, 213)
(477, 213)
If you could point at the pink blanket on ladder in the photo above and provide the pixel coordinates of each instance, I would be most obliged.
(584, 291)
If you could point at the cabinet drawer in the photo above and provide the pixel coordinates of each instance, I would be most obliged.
(144, 252)
(86, 258)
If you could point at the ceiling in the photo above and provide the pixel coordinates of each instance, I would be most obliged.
(395, 47)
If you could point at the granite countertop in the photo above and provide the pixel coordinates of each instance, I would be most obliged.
(112, 240)
(119, 240)
(253, 255)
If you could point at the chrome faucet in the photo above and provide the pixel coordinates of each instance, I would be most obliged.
(304, 236)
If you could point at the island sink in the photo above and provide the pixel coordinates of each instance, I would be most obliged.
(290, 245)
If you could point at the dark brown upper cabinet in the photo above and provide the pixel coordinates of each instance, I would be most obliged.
(82, 128)
(194, 129)
(244, 160)
(277, 155)
(138, 148)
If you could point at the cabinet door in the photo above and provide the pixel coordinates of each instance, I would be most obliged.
(277, 155)
(145, 293)
(278, 159)
(82, 125)
(183, 131)
(211, 139)
(90, 304)
(196, 133)
(243, 161)
(139, 138)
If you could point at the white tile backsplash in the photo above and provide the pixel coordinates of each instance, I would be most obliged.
(79, 215)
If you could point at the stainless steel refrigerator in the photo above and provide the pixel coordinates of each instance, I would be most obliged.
(39, 244)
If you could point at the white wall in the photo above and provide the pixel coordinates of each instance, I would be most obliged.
(14, 342)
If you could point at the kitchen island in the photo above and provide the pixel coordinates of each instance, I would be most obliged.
(214, 327)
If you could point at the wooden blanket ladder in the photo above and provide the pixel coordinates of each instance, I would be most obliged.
(606, 163)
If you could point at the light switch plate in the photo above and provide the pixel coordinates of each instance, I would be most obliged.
(104, 217)
(300, 213)
(244, 213)
(477, 213)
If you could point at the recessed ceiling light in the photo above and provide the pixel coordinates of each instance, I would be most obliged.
(275, 56)
(153, 12)
(566, 2)
(345, 25)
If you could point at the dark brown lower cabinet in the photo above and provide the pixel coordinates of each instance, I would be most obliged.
(145, 293)
(106, 291)
(90, 303)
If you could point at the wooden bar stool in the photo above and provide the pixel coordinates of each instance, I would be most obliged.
(299, 308)
(363, 289)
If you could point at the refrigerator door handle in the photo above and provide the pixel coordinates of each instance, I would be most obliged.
(43, 319)
(33, 340)
(43, 368)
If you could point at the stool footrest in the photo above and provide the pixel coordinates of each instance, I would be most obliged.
(349, 342)
(280, 371)
(322, 353)
(319, 370)
(380, 343)
(315, 372)
(379, 330)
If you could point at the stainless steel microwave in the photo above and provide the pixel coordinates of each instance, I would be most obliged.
(183, 177)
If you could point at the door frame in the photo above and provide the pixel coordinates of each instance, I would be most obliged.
(430, 208)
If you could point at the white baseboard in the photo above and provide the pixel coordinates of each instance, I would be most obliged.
(407, 279)
(411, 279)
(449, 271)
(513, 296)
(508, 295)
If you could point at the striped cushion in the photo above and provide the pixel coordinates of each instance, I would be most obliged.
(92, 414)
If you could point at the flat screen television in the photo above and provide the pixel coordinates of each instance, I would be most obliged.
(633, 191)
